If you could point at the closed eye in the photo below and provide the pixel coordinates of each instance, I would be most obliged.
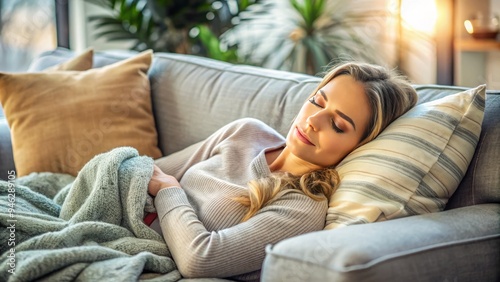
(312, 100)
(336, 128)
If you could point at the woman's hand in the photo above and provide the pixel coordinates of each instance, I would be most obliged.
(160, 180)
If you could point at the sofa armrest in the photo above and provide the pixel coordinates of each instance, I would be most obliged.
(455, 245)
(6, 157)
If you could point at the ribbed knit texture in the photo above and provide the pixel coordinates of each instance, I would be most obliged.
(201, 222)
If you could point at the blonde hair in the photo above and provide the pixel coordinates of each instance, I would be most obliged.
(390, 95)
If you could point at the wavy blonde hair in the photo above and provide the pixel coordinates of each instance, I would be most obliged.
(390, 95)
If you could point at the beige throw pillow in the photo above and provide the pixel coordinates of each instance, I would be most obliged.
(59, 120)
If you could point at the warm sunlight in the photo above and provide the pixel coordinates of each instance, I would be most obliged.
(420, 15)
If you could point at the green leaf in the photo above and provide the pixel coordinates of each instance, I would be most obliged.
(118, 37)
(298, 8)
(147, 20)
(318, 54)
(107, 33)
(104, 19)
(103, 24)
(308, 13)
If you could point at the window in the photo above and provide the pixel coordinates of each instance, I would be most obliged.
(27, 28)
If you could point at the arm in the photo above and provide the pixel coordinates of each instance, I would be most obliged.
(238, 249)
(177, 163)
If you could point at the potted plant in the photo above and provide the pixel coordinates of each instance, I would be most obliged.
(180, 26)
(295, 35)
(304, 35)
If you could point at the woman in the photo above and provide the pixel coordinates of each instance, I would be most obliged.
(221, 201)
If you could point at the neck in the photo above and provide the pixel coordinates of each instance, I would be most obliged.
(287, 162)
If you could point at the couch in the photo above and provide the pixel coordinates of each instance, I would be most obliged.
(460, 243)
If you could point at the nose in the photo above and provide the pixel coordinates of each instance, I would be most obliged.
(313, 121)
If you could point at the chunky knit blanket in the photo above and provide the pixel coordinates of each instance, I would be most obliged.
(54, 227)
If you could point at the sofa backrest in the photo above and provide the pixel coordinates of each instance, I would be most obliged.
(481, 183)
(194, 96)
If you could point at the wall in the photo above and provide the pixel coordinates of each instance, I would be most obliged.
(473, 68)
(493, 65)
(27, 28)
(418, 57)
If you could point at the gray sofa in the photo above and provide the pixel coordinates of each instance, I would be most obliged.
(461, 243)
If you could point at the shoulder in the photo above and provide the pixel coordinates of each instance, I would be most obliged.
(251, 126)
(249, 122)
(249, 134)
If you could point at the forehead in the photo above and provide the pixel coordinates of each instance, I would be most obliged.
(348, 96)
(345, 86)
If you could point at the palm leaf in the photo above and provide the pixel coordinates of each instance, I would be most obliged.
(319, 56)
(330, 27)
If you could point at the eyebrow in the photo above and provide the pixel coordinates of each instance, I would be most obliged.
(341, 114)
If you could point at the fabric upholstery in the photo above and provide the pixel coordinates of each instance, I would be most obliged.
(455, 245)
(71, 61)
(219, 97)
(60, 119)
(7, 157)
(79, 62)
(446, 246)
(481, 184)
(218, 93)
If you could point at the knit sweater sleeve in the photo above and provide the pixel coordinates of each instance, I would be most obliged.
(238, 249)
(177, 163)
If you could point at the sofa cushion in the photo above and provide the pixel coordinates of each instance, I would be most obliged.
(61, 119)
(193, 97)
(7, 159)
(481, 183)
(80, 62)
(71, 61)
(223, 92)
(413, 166)
(455, 245)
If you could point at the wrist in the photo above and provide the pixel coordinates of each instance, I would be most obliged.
(166, 186)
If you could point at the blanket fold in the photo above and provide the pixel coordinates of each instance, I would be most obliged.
(87, 228)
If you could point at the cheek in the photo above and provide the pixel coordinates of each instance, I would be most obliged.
(339, 147)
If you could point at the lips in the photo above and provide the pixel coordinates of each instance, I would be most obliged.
(302, 137)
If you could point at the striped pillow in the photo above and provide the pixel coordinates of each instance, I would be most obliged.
(413, 166)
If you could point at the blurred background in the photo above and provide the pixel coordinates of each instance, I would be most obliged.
(452, 42)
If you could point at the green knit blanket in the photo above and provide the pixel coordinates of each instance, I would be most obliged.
(58, 228)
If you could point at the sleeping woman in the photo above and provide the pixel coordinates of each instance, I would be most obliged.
(221, 201)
